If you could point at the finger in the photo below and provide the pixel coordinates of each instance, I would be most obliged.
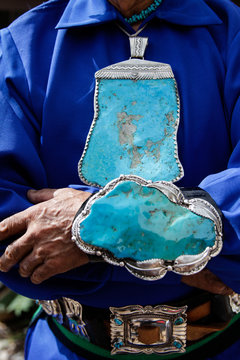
(14, 253)
(14, 224)
(38, 196)
(44, 272)
(29, 264)
(207, 281)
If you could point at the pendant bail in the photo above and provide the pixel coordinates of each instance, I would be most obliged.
(138, 46)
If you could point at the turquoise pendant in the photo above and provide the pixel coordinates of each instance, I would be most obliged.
(150, 228)
(134, 130)
(141, 223)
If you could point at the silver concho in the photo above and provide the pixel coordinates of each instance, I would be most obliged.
(148, 330)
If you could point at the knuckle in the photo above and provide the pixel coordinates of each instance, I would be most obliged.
(38, 276)
(25, 268)
(4, 226)
(34, 233)
(11, 253)
(40, 252)
(53, 264)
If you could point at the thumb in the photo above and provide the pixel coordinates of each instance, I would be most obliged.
(38, 196)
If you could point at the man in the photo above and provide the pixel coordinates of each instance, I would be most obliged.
(48, 60)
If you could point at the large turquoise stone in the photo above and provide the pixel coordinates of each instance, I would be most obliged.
(135, 131)
(141, 223)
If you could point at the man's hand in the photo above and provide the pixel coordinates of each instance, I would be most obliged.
(44, 247)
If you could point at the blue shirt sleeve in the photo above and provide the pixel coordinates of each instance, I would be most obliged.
(21, 168)
(224, 187)
(20, 162)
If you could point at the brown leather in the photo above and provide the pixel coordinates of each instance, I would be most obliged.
(197, 332)
(199, 312)
(148, 334)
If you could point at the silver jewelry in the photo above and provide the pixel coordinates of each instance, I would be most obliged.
(154, 269)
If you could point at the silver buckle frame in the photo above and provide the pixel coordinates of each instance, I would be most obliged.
(167, 327)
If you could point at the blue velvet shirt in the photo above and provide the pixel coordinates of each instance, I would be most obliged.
(48, 58)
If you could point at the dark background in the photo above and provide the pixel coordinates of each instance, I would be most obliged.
(11, 9)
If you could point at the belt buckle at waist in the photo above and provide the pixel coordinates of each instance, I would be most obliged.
(148, 330)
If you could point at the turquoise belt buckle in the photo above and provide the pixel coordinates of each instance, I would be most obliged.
(149, 227)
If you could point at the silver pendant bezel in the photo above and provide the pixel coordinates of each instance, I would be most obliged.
(133, 69)
(155, 269)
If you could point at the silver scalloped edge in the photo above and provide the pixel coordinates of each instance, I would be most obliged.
(115, 71)
(155, 269)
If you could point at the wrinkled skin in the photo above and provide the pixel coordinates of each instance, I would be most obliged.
(44, 247)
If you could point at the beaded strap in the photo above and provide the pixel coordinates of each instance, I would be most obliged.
(144, 13)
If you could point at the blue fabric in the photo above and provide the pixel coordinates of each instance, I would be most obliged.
(41, 340)
(46, 107)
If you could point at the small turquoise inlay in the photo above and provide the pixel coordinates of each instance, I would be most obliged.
(118, 321)
(138, 222)
(135, 131)
(179, 321)
(177, 344)
(118, 344)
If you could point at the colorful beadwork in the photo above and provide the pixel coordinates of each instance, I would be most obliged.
(144, 13)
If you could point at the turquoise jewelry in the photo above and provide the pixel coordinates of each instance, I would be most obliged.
(150, 228)
(144, 13)
(141, 220)
(137, 113)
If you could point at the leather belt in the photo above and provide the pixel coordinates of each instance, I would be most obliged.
(150, 329)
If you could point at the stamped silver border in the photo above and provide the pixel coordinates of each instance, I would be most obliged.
(155, 269)
(133, 69)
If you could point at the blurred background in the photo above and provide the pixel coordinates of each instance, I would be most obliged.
(15, 310)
